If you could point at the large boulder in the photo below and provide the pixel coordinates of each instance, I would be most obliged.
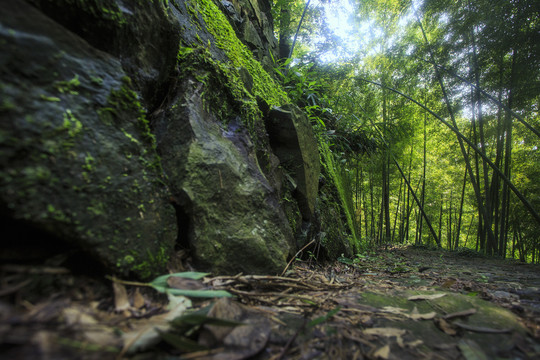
(294, 143)
(85, 85)
(233, 220)
(77, 158)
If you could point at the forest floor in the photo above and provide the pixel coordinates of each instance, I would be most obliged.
(400, 303)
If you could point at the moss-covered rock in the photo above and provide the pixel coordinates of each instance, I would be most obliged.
(294, 143)
(233, 219)
(85, 87)
(77, 157)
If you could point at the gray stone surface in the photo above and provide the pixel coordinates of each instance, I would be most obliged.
(235, 222)
(77, 158)
(294, 143)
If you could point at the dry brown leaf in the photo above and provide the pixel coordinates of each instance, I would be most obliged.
(146, 333)
(90, 329)
(460, 314)
(445, 326)
(138, 299)
(425, 297)
(386, 332)
(414, 343)
(121, 300)
(415, 315)
(382, 353)
(395, 310)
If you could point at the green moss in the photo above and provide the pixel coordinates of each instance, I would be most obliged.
(97, 208)
(240, 56)
(49, 98)
(124, 101)
(71, 124)
(89, 163)
(56, 214)
(225, 93)
(68, 87)
(96, 80)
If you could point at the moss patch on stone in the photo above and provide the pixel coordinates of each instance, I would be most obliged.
(263, 85)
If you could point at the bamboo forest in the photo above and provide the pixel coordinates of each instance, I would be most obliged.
(433, 111)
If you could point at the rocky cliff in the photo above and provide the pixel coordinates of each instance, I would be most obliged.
(132, 130)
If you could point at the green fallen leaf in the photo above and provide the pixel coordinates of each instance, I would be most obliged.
(345, 260)
(160, 284)
(195, 293)
(324, 318)
(162, 280)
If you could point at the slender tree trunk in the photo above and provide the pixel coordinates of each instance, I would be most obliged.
(495, 181)
(406, 194)
(359, 191)
(364, 203)
(449, 241)
(462, 200)
(440, 217)
(423, 196)
(397, 212)
(298, 28)
(491, 245)
(372, 207)
(514, 235)
(468, 231)
(507, 161)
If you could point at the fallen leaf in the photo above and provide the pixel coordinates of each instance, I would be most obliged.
(121, 300)
(382, 353)
(387, 332)
(415, 315)
(414, 343)
(425, 297)
(460, 314)
(138, 299)
(445, 326)
(481, 329)
(91, 330)
(176, 282)
(147, 333)
(395, 310)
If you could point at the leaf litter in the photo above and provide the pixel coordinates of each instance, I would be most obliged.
(352, 309)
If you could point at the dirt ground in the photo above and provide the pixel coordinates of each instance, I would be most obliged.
(400, 303)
